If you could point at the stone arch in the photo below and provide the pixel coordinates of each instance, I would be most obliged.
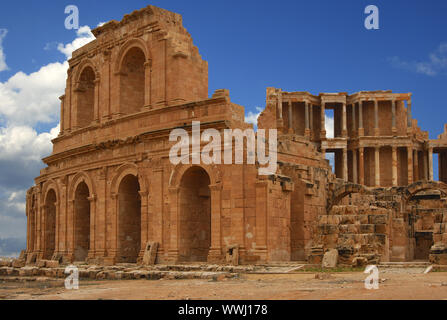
(81, 221)
(344, 190)
(135, 42)
(124, 170)
(50, 211)
(177, 173)
(77, 179)
(85, 82)
(133, 68)
(416, 187)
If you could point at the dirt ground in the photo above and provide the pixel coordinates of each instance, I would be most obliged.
(394, 284)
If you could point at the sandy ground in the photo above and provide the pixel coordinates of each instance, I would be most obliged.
(394, 284)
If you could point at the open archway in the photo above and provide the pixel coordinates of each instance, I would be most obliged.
(86, 97)
(195, 216)
(50, 224)
(129, 219)
(132, 81)
(82, 222)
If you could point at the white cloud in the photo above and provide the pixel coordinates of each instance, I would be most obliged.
(252, 117)
(84, 36)
(27, 101)
(3, 65)
(434, 65)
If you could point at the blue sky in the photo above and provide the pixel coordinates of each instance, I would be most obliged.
(315, 46)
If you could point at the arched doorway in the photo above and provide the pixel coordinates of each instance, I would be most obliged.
(132, 81)
(50, 225)
(82, 222)
(195, 216)
(129, 219)
(86, 97)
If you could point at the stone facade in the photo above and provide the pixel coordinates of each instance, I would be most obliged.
(109, 187)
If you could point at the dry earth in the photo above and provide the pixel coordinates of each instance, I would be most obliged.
(394, 284)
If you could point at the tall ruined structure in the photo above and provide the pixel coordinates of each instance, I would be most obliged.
(109, 187)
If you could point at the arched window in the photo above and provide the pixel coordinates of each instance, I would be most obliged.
(86, 97)
(132, 81)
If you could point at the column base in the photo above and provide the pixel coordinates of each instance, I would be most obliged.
(376, 132)
(323, 135)
(361, 132)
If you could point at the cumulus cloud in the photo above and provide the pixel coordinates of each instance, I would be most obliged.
(329, 126)
(3, 65)
(28, 101)
(252, 117)
(84, 36)
(434, 65)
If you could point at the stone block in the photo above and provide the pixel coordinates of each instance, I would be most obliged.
(330, 259)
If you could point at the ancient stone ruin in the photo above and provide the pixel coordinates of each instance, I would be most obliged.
(110, 191)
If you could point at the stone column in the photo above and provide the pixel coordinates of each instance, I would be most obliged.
(410, 164)
(377, 166)
(354, 124)
(62, 99)
(311, 119)
(394, 165)
(409, 115)
(361, 166)
(425, 163)
(96, 101)
(215, 252)
(147, 83)
(290, 117)
(430, 163)
(354, 166)
(306, 119)
(323, 122)
(416, 165)
(345, 164)
(344, 131)
(93, 224)
(173, 251)
(144, 227)
(376, 118)
(361, 129)
(393, 117)
(279, 104)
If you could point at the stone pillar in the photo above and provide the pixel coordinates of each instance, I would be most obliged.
(410, 164)
(344, 132)
(354, 166)
(361, 166)
(394, 165)
(96, 101)
(144, 227)
(376, 118)
(425, 163)
(147, 83)
(311, 119)
(323, 122)
(93, 224)
(345, 164)
(430, 163)
(377, 166)
(215, 254)
(354, 124)
(393, 117)
(173, 251)
(409, 115)
(261, 218)
(416, 165)
(306, 119)
(323, 152)
(361, 129)
(62, 99)
(290, 117)
(279, 104)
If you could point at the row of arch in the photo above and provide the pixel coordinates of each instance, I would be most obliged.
(407, 192)
(134, 78)
(194, 220)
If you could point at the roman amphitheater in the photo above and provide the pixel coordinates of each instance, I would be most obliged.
(109, 193)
